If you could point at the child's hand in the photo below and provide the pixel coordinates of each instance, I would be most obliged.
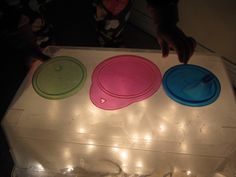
(171, 37)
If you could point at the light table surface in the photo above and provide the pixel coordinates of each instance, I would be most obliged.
(154, 136)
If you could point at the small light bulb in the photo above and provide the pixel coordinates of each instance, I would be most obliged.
(162, 128)
(70, 169)
(148, 138)
(40, 167)
(124, 155)
(81, 130)
(115, 147)
(139, 164)
(188, 172)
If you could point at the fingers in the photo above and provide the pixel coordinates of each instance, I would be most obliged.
(189, 48)
(178, 44)
(165, 49)
(164, 46)
(184, 50)
(193, 45)
(173, 37)
(183, 45)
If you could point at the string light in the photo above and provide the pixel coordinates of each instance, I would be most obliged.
(162, 127)
(124, 155)
(148, 138)
(188, 173)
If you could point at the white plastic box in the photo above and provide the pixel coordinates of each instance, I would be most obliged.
(157, 136)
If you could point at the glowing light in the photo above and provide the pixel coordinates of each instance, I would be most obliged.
(39, 167)
(91, 145)
(70, 168)
(115, 148)
(162, 128)
(188, 172)
(81, 130)
(90, 142)
(139, 164)
(124, 167)
(138, 168)
(182, 126)
(148, 138)
(124, 155)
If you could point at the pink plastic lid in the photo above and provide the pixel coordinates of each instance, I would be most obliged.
(122, 80)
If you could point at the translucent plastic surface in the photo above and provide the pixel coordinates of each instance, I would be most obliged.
(122, 80)
(191, 85)
(155, 135)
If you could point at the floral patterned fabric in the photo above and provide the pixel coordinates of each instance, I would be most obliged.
(111, 17)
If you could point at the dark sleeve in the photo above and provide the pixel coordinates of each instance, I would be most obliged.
(161, 3)
(9, 17)
(166, 10)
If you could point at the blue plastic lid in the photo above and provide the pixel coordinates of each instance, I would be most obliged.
(191, 85)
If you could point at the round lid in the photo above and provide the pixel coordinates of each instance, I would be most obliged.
(191, 85)
(122, 80)
(60, 77)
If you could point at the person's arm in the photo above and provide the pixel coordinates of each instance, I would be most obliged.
(166, 11)
(169, 35)
(16, 34)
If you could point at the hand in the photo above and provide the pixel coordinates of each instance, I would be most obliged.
(25, 41)
(171, 37)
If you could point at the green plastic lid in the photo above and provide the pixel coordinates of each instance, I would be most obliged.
(59, 78)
